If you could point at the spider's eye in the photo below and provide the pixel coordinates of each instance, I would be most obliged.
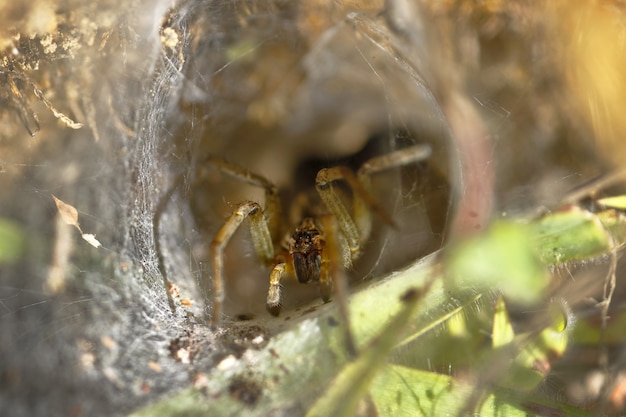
(307, 266)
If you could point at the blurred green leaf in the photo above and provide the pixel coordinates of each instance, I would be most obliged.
(399, 391)
(503, 259)
(590, 331)
(353, 381)
(576, 234)
(539, 349)
(617, 202)
(12, 241)
(502, 328)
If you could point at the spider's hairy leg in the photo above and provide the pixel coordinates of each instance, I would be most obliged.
(332, 201)
(398, 158)
(273, 294)
(323, 184)
(262, 244)
(272, 202)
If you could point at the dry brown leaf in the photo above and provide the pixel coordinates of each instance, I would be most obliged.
(68, 213)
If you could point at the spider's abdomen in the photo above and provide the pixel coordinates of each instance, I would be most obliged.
(305, 247)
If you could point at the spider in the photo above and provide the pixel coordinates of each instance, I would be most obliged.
(314, 247)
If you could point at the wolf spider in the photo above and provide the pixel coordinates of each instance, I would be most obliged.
(315, 246)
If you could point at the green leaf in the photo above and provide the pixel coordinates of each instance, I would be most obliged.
(590, 331)
(540, 349)
(353, 382)
(12, 241)
(616, 202)
(503, 259)
(576, 234)
(502, 328)
(399, 391)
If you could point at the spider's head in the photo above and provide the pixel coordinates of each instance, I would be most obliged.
(305, 247)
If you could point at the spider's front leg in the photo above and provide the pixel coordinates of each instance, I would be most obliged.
(261, 238)
(272, 209)
(273, 294)
(356, 227)
(306, 259)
